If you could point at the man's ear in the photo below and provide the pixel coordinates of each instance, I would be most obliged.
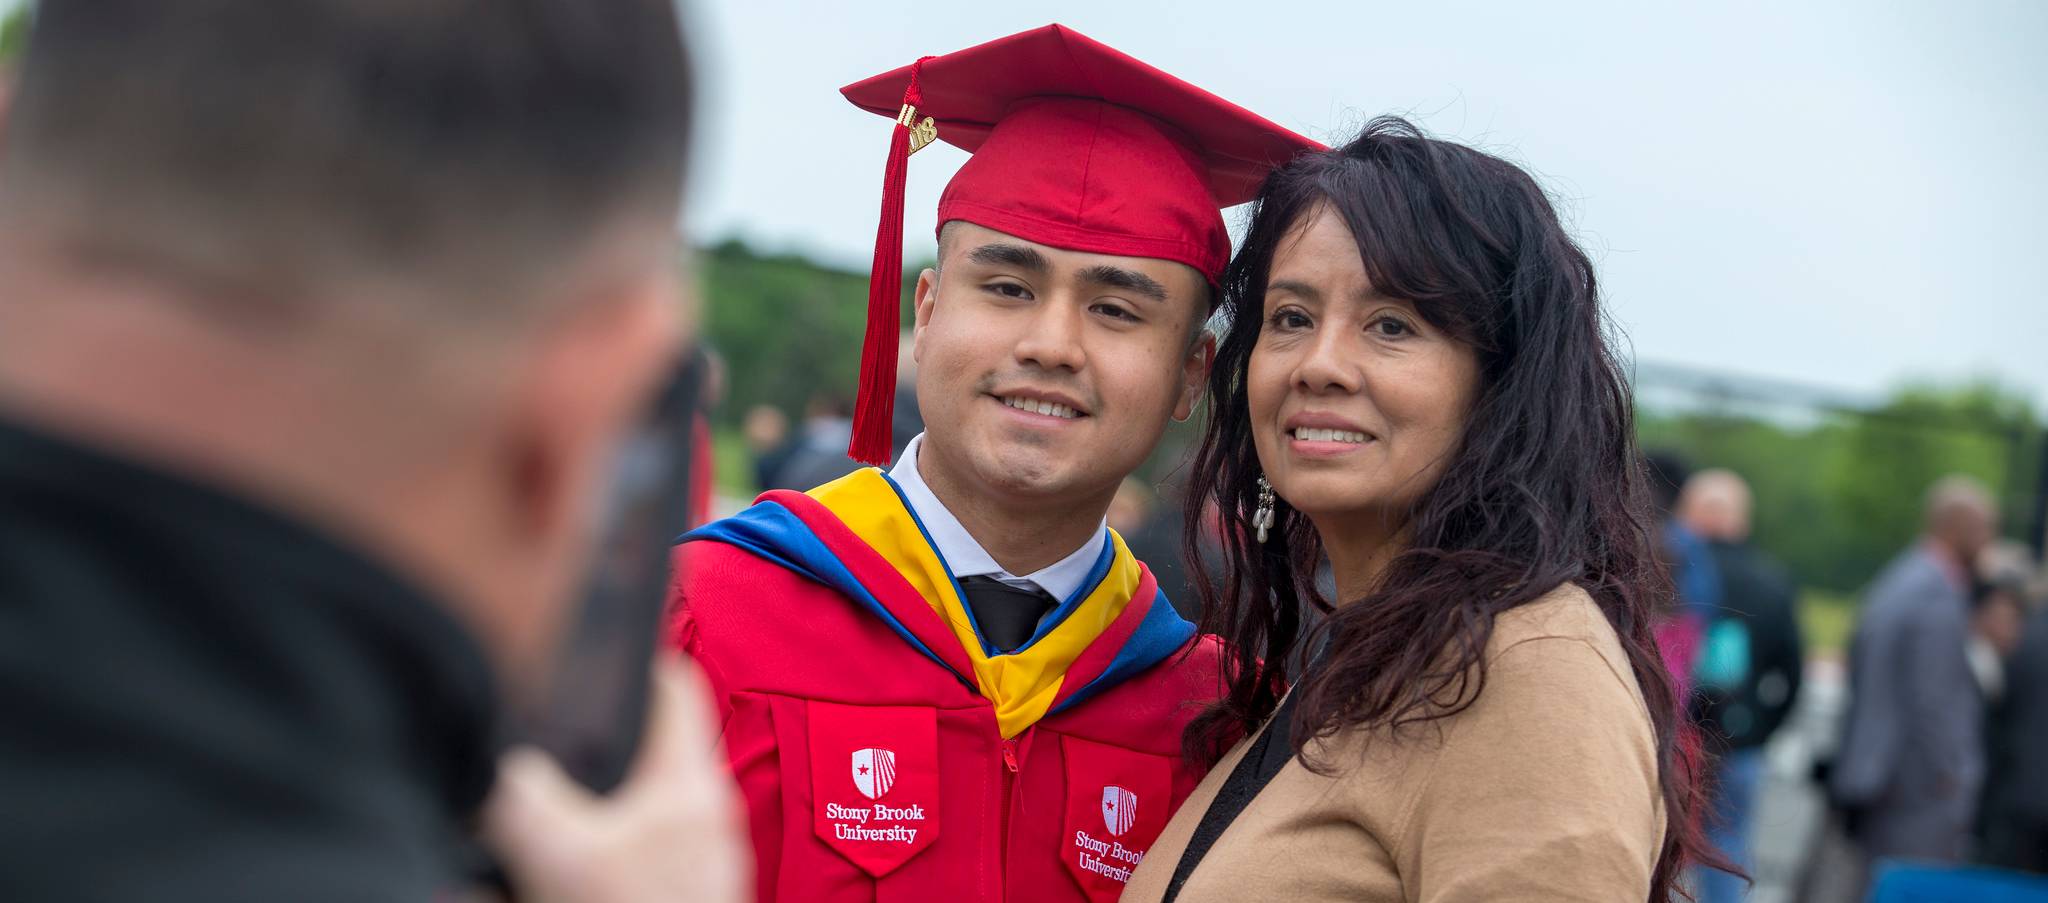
(589, 374)
(926, 298)
(1194, 374)
(561, 396)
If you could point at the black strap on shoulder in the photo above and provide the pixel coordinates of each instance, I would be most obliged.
(1268, 754)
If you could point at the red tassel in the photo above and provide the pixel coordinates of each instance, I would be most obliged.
(875, 409)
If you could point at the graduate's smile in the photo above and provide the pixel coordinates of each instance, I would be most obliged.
(1040, 407)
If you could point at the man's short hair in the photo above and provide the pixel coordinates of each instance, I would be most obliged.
(273, 150)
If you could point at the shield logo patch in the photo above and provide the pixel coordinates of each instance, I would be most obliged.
(874, 772)
(1119, 810)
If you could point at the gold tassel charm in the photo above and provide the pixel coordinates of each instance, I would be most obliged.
(921, 133)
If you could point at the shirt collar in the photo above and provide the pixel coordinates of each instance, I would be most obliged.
(964, 555)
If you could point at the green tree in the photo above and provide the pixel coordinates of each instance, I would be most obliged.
(1836, 498)
(790, 329)
(1889, 457)
(14, 33)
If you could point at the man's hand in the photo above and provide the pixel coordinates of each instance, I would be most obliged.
(671, 832)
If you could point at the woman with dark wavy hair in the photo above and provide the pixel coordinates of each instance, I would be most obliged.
(1418, 384)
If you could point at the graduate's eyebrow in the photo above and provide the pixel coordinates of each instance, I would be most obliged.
(1000, 254)
(1128, 280)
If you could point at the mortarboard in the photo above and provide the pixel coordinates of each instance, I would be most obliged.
(1075, 145)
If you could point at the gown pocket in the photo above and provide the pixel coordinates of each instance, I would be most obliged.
(1117, 802)
(874, 775)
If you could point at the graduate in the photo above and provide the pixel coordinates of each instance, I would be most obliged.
(952, 681)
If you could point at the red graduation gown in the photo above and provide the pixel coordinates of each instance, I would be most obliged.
(872, 767)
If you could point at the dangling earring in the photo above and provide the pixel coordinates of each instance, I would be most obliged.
(1262, 519)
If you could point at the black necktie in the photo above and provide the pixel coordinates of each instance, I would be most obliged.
(1007, 615)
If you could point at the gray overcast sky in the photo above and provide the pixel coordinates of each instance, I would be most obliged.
(1844, 193)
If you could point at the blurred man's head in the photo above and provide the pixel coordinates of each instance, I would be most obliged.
(1715, 504)
(764, 428)
(404, 266)
(1961, 516)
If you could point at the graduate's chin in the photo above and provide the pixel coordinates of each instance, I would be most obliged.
(1026, 466)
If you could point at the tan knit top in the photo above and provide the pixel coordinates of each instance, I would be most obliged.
(1544, 789)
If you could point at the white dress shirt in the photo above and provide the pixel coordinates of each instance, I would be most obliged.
(965, 556)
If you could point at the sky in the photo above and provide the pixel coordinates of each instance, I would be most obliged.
(1848, 195)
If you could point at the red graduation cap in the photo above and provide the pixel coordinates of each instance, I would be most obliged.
(1076, 145)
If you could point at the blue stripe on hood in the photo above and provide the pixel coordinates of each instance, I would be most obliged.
(1161, 634)
(774, 533)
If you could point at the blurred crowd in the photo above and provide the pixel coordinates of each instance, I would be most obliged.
(812, 451)
(1934, 771)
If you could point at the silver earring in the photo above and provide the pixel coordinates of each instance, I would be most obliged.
(1262, 519)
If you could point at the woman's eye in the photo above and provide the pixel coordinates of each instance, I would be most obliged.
(1288, 318)
(1389, 327)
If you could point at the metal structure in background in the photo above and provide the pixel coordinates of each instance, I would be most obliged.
(2029, 501)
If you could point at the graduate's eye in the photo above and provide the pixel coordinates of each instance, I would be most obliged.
(1115, 312)
(1009, 290)
(1288, 319)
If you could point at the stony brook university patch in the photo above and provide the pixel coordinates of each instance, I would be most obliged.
(1117, 803)
(1119, 809)
(874, 781)
(874, 772)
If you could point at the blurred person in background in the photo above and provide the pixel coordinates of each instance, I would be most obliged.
(1131, 507)
(321, 325)
(2013, 829)
(950, 679)
(816, 453)
(703, 455)
(2009, 833)
(1696, 585)
(1998, 617)
(1747, 674)
(2000, 601)
(765, 430)
(1151, 524)
(1911, 760)
(817, 449)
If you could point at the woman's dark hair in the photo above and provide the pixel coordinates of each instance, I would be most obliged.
(1545, 487)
